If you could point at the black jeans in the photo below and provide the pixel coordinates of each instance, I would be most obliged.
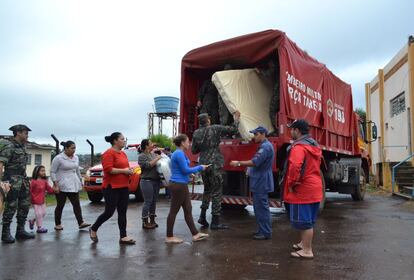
(114, 199)
(61, 200)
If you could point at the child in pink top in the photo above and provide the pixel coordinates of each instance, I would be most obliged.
(38, 188)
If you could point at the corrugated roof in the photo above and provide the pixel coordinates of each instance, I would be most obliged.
(31, 145)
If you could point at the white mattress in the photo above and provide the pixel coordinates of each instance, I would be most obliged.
(244, 91)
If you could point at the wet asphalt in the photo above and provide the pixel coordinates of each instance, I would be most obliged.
(373, 239)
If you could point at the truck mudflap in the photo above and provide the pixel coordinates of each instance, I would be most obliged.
(237, 200)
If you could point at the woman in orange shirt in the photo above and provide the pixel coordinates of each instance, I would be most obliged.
(115, 187)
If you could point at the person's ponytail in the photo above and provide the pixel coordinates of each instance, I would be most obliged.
(113, 137)
(67, 144)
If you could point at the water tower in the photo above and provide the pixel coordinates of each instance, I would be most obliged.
(165, 108)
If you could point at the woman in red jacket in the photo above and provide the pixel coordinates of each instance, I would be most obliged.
(38, 188)
(115, 187)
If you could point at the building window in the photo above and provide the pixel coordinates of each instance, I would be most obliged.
(38, 159)
(29, 159)
(397, 104)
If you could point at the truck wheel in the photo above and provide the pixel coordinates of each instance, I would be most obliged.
(322, 203)
(359, 191)
(138, 195)
(95, 197)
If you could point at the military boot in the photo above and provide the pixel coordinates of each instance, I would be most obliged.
(215, 223)
(202, 220)
(22, 234)
(146, 224)
(6, 237)
(152, 220)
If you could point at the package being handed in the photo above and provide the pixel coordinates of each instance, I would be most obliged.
(244, 91)
(164, 169)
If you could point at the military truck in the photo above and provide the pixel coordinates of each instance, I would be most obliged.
(308, 90)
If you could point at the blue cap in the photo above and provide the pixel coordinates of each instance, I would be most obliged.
(300, 124)
(259, 129)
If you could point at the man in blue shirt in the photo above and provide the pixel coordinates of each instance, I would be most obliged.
(261, 182)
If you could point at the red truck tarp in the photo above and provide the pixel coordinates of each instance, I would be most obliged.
(308, 89)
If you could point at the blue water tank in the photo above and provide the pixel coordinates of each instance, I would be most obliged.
(166, 104)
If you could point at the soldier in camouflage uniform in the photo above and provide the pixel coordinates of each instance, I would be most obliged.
(271, 74)
(225, 116)
(208, 100)
(206, 141)
(13, 158)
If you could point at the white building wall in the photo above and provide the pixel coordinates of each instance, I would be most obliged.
(375, 117)
(396, 128)
(46, 160)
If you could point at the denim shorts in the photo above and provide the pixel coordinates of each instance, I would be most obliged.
(303, 216)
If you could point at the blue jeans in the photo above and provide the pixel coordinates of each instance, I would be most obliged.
(262, 213)
(150, 190)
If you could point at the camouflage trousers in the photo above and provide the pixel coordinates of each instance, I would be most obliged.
(213, 190)
(225, 116)
(18, 199)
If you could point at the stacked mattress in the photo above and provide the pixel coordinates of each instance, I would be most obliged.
(245, 91)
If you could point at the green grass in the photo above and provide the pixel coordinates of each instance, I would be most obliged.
(51, 200)
(371, 188)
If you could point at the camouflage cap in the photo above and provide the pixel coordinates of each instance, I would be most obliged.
(203, 116)
(19, 127)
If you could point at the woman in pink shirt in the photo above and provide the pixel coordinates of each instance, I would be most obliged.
(38, 188)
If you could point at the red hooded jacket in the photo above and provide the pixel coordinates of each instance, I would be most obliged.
(302, 179)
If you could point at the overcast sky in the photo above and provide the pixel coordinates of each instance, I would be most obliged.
(83, 69)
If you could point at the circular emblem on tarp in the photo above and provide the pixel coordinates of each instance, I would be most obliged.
(329, 107)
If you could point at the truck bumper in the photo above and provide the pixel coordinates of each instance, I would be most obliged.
(237, 200)
(96, 188)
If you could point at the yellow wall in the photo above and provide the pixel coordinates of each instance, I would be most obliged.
(46, 160)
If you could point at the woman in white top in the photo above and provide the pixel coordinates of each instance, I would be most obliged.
(67, 180)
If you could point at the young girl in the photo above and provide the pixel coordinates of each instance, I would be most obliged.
(38, 188)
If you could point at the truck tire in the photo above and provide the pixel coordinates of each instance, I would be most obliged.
(95, 197)
(359, 192)
(138, 195)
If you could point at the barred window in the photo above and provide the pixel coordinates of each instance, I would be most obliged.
(29, 159)
(397, 104)
(38, 159)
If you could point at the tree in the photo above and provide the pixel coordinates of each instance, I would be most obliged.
(162, 141)
(361, 113)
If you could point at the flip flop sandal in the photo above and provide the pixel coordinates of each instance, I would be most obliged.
(84, 225)
(202, 236)
(58, 228)
(299, 256)
(297, 247)
(174, 241)
(93, 238)
(127, 242)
